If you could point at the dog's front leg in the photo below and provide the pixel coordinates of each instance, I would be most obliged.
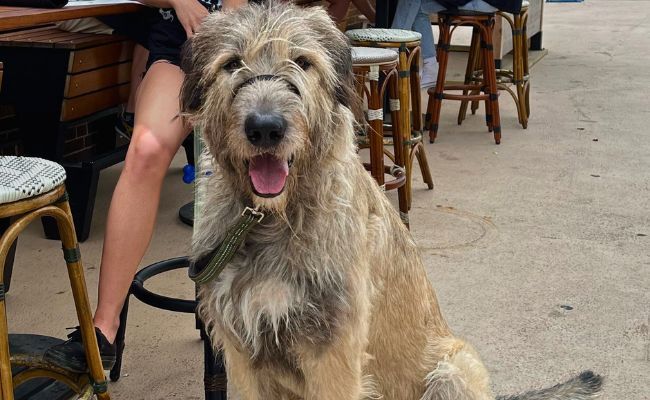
(333, 374)
(241, 376)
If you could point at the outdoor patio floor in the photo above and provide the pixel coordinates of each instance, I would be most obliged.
(557, 215)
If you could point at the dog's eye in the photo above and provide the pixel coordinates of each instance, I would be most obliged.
(232, 65)
(303, 63)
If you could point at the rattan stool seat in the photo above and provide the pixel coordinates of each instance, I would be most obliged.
(25, 177)
(383, 35)
(366, 56)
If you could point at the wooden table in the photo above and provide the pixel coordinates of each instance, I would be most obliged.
(25, 17)
(37, 122)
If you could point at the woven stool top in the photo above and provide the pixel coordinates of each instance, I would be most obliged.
(383, 35)
(525, 3)
(363, 56)
(25, 177)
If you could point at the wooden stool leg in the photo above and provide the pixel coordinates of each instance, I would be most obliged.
(526, 66)
(398, 144)
(435, 99)
(6, 381)
(488, 66)
(518, 69)
(526, 72)
(376, 122)
(479, 66)
(405, 111)
(80, 295)
(472, 61)
(424, 164)
(416, 100)
(489, 73)
(9, 235)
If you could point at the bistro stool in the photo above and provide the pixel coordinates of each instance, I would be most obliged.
(518, 76)
(483, 24)
(408, 45)
(32, 188)
(368, 65)
(214, 373)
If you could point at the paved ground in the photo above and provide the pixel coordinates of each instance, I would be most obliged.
(513, 235)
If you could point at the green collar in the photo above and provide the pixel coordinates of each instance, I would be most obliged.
(210, 266)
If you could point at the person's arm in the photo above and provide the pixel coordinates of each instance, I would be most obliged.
(190, 12)
(158, 3)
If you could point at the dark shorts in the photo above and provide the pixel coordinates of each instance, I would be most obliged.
(167, 35)
(135, 26)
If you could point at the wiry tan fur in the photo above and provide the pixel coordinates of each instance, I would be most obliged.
(328, 298)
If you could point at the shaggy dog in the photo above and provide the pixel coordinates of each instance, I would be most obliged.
(327, 298)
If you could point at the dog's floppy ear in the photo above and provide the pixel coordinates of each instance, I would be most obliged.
(191, 95)
(346, 94)
(342, 58)
(341, 55)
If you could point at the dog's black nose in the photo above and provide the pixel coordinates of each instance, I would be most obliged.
(265, 129)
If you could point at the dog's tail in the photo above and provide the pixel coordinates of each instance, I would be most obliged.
(585, 386)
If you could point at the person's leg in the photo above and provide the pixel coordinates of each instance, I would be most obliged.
(138, 68)
(338, 9)
(157, 136)
(429, 74)
(405, 14)
(366, 9)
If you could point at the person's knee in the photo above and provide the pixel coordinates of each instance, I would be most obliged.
(148, 155)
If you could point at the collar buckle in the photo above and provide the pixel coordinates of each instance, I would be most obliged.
(254, 212)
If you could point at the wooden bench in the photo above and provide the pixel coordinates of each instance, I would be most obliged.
(57, 81)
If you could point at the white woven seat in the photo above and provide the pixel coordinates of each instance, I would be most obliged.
(525, 3)
(25, 177)
(383, 35)
(366, 56)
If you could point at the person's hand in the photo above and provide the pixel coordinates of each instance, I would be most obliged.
(190, 14)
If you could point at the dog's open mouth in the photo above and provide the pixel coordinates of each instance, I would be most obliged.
(268, 174)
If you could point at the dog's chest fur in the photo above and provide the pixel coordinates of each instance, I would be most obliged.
(275, 296)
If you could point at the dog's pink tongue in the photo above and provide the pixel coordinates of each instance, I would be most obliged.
(268, 174)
